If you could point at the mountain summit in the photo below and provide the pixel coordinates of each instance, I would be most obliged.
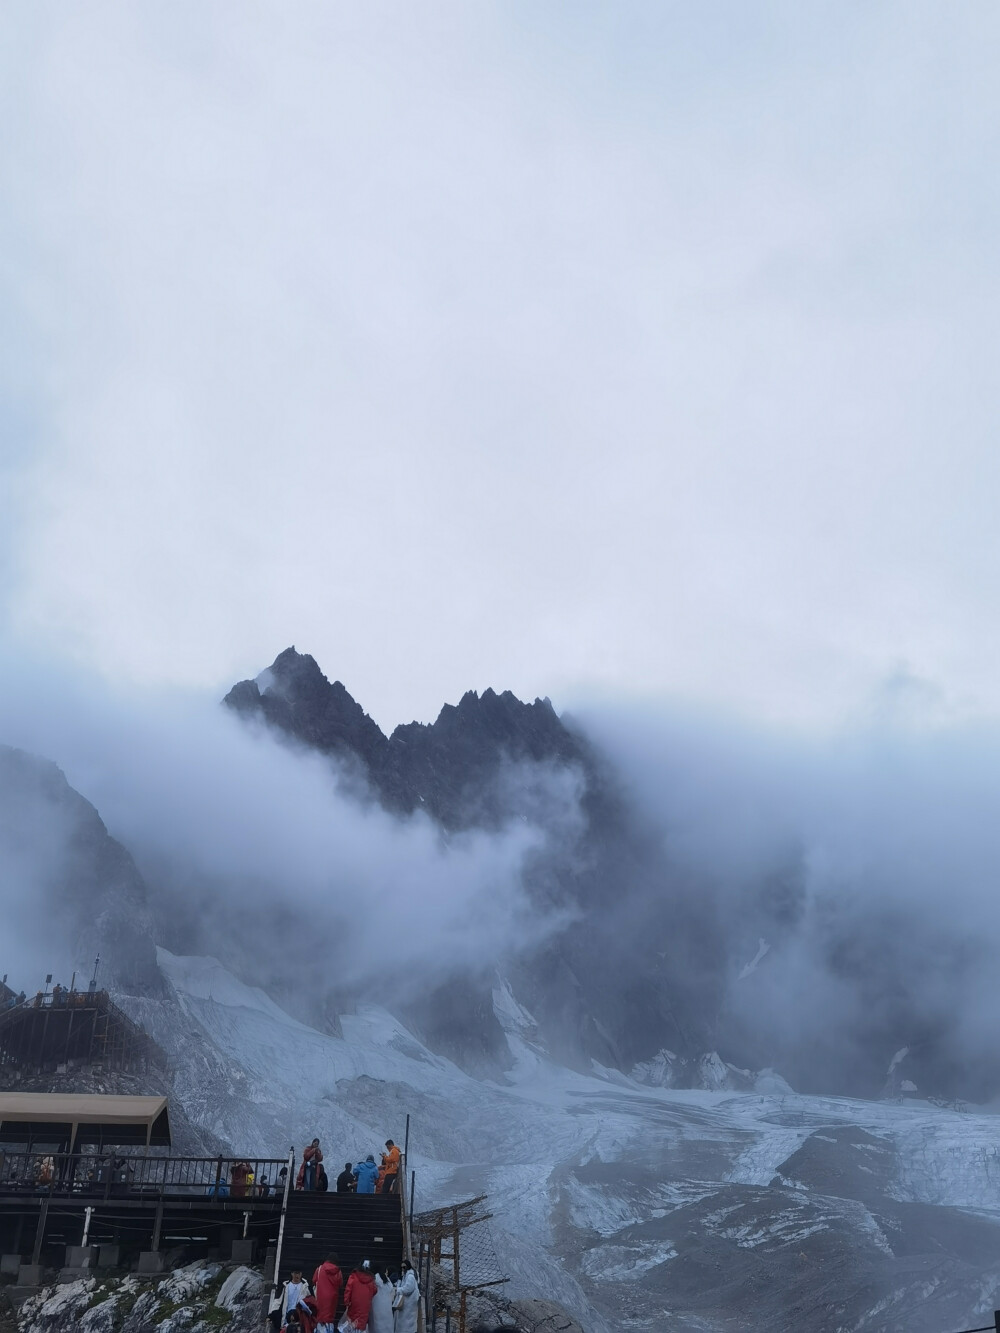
(448, 767)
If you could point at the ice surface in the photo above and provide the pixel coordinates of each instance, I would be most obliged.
(604, 1190)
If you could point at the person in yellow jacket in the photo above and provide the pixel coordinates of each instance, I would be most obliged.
(389, 1173)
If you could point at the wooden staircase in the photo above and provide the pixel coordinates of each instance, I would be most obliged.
(351, 1227)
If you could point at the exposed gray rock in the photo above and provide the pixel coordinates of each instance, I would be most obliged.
(185, 1301)
(538, 1316)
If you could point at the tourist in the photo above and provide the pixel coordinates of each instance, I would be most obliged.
(240, 1176)
(381, 1315)
(366, 1174)
(328, 1282)
(346, 1184)
(407, 1301)
(322, 1180)
(291, 1297)
(311, 1159)
(360, 1292)
(389, 1174)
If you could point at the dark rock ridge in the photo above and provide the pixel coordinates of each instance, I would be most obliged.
(447, 768)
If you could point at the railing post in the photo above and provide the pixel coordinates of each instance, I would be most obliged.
(413, 1186)
(406, 1142)
(281, 1224)
(996, 1320)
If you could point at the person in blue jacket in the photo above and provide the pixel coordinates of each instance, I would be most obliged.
(366, 1174)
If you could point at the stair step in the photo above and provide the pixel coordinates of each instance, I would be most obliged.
(351, 1226)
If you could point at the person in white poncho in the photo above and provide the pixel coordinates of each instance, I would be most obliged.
(381, 1317)
(407, 1301)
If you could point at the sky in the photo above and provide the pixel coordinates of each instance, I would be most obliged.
(638, 351)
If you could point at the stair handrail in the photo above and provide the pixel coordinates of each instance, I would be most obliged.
(407, 1186)
(281, 1224)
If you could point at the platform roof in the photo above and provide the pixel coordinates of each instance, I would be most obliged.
(85, 1118)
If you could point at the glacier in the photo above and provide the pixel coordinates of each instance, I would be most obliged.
(634, 1206)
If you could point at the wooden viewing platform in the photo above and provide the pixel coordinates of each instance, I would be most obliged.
(51, 1202)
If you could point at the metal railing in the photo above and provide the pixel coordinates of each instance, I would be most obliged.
(117, 1175)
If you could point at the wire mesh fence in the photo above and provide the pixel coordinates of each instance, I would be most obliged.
(457, 1262)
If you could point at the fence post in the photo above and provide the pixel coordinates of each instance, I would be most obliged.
(996, 1320)
(406, 1142)
(413, 1186)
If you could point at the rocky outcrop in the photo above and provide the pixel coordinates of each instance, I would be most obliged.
(708, 1072)
(200, 1298)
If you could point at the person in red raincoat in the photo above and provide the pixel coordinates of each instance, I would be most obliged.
(238, 1177)
(328, 1282)
(311, 1158)
(359, 1294)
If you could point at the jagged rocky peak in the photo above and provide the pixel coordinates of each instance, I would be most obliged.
(293, 695)
(447, 768)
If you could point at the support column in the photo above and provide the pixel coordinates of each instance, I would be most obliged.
(43, 1217)
(152, 1260)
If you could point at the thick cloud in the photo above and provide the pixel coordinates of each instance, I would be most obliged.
(648, 348)
(818, 901)
(867, 862)
(253, 852)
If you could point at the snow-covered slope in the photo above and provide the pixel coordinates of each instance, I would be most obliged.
(633, 1206)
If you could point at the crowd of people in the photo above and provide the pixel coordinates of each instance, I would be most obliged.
(368, 1300)
(373, 1302)
(364, 1178)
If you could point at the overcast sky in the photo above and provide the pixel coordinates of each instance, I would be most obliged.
(629, 349)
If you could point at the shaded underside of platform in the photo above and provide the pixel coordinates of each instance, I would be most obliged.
(134, 1224)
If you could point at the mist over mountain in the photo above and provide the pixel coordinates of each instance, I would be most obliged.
(565, 944)
(70, 890)
(670, 897)
(732, 896)
(494, 762)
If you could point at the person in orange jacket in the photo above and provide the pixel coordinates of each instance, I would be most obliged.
(388, 1176)
(311, 1158)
